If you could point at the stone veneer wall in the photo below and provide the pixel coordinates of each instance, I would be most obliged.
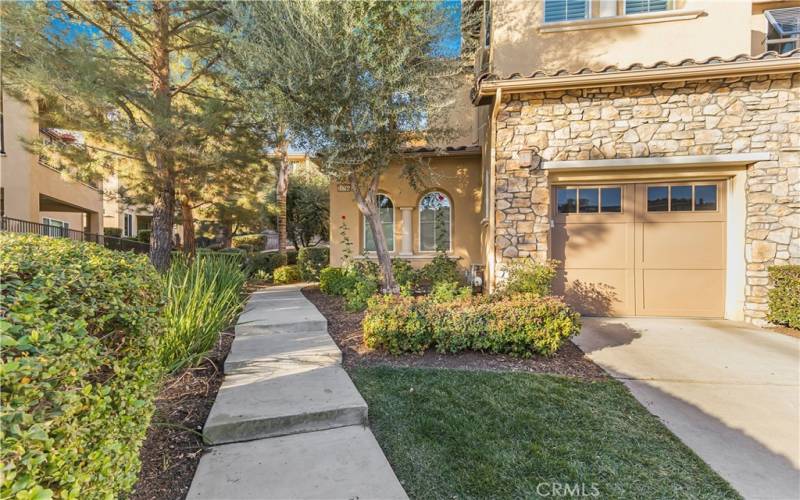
(722, 116)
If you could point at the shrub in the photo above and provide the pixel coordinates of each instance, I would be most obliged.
(79, 332)
(367, 268)
(204, 296)
(521, 324)
(441, 269)
(112, 231)
(529, 276)
(265, 261)
(291, 257)
(784, 298)
(143, 235)
(447, 291)
(335, 281)
(404, 274)
(286, 274)
(311, 260)
(249, 242)
(358, 295)
(397, 324)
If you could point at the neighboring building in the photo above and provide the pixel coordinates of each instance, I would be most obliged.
(129, 218)
(665, 179)
(35, 191)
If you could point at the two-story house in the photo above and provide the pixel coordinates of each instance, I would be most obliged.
(652, 147)
(34, 192)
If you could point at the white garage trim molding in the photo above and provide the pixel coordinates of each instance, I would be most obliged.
(668, 167)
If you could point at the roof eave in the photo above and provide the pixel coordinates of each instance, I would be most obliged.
(487, 88)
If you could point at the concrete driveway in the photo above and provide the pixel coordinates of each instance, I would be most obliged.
(728, 390)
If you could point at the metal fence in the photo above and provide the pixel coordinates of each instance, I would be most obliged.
(12, 225)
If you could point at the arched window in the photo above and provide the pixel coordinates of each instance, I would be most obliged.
(434, 222)
(386, 211)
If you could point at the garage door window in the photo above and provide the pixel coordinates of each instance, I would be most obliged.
(682, 198)
(589, 200)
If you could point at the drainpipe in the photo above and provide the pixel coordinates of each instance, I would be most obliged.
(492, 157)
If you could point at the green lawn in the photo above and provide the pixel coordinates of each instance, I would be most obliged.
(459, 434)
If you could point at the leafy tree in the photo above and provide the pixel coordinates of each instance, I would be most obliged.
(359, 82)
(134, 77)
(269, 109)
(307, 206)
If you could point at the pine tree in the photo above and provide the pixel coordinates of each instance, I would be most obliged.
(134, 78)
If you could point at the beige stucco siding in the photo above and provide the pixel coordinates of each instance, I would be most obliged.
(30, 188)
(518, 46)
(459, 177)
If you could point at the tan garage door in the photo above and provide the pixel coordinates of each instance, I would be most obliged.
(655, 249)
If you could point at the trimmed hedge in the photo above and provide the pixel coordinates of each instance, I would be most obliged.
(80, 370)
(311, 260)
(143, 235)
(249, 242)
(266, 262)
(784, 298)
(112, 231)
(286, 274)
(521, 324)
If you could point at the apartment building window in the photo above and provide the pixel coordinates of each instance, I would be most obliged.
(642, 6)
(565, 10)
(128, 222)
(55, 227)
(386, 214)
(783, 33)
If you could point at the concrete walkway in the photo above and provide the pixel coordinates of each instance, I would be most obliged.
(288, 422)
(728, 390)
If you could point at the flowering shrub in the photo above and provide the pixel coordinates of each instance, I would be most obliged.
(521, 324)
(80, 369)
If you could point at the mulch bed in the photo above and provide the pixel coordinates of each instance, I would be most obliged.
(345, 328)
(785, 330)
(174, 443)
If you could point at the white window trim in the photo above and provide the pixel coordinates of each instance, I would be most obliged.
(64, 228)
(670, 6)
(364, 227)
(125, 232)
(624, 20)
(419, 223)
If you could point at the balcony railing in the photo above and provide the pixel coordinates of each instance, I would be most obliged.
(12, 225)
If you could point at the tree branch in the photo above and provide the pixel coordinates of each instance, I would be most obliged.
(111, 36)
(197, 75)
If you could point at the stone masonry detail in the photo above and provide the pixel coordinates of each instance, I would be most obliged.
(720, 116)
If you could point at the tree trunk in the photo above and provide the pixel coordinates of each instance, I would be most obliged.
(282, 191)
(187, 214)
(161, 229)
(368, 205)
(226, 234)
(164, 203)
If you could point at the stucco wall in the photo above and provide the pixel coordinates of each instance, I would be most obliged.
(518, 45)
(459, 177)
(24, 179)
(752, 114)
